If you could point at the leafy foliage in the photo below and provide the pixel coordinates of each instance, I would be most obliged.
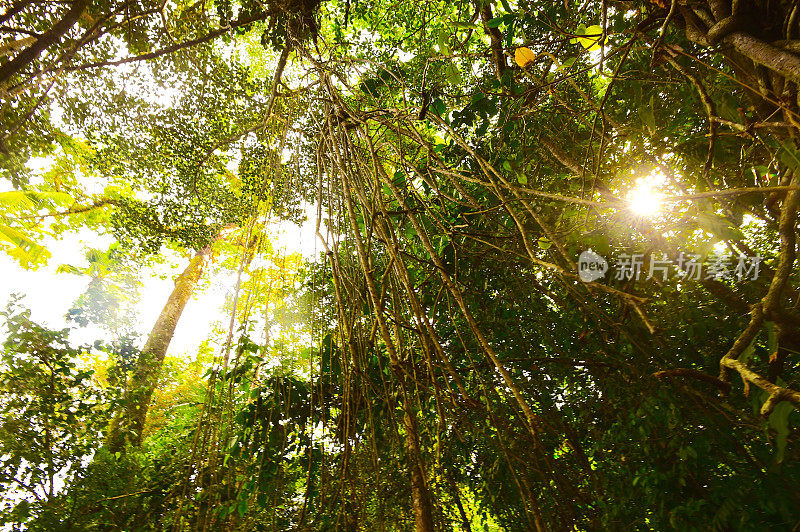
(53, 414)
(442, 365)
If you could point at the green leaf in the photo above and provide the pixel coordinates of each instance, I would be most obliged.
(504, 19)
(463, 25)
(68, 268)
(510, 35)
(719, 226)
(453, 75)
(495, 22)
(568, 62)
(772, 337)
(790, 156)
(438, 106)
(16, 199)
(779, 420)
(24, 249)
(31, 199)
(580, 30)
(648, 116)
(242, 508)
(442, 40)
(544, 242)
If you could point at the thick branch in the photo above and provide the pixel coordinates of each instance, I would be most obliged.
(50, 37)
(776, 393)
(495, 38)
(768, 308)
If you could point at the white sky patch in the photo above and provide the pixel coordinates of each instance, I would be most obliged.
(50, 295)
(477, 69)
(594, 59)
(404, 56)
(302, 239)
(366, 36)
(286, 154)
(167, 96)
(595, 55)
(721, 247)
(40, 164)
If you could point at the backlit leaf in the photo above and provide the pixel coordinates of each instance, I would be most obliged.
(524, 56)
(591, 37)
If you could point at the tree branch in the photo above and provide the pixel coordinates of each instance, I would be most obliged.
(175, 47)
(694, 374)
(48, 38)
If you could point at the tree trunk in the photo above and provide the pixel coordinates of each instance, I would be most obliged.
(128, 424)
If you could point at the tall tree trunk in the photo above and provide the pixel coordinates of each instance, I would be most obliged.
(127, 426)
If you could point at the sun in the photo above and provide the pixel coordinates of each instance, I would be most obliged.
(645, 199)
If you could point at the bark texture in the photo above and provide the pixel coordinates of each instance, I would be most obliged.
(128, 425)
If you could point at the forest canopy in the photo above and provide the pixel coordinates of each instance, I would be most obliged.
(554, 283)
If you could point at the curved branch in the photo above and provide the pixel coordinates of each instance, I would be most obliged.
(768, 308)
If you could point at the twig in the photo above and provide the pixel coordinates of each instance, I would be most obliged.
(672, 9)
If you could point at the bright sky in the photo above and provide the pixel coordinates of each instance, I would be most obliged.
(50, 295)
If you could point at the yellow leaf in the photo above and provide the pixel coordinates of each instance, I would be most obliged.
(592, 39)
(523, 56)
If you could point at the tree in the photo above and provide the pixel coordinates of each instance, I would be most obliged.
(52, 416)
(454, 368)
(128, 424)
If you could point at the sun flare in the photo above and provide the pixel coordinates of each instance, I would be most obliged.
(646, 199)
